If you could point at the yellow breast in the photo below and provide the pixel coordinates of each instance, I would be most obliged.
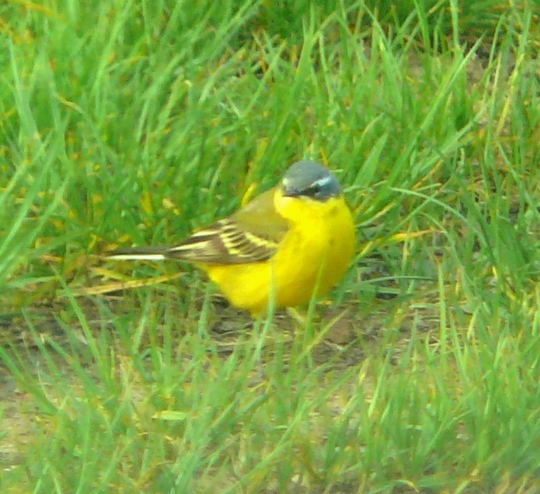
(311, 258)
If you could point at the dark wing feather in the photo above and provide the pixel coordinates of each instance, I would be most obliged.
(250, 235)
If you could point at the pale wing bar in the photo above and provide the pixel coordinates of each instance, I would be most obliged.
(225, 242)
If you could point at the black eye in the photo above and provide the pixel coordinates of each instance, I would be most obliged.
(313, 190)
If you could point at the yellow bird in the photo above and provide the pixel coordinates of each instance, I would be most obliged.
(290, 243)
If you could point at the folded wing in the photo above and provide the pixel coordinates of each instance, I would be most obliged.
(250, 235)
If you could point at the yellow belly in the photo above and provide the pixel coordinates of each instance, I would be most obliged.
(312, 257)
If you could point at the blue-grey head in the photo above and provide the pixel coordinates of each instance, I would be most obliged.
(310, 179)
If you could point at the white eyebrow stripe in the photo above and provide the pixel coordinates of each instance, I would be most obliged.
(323, 180)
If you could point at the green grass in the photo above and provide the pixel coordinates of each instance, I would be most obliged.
(134, 122)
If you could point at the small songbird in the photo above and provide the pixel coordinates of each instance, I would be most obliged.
(290, 243)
